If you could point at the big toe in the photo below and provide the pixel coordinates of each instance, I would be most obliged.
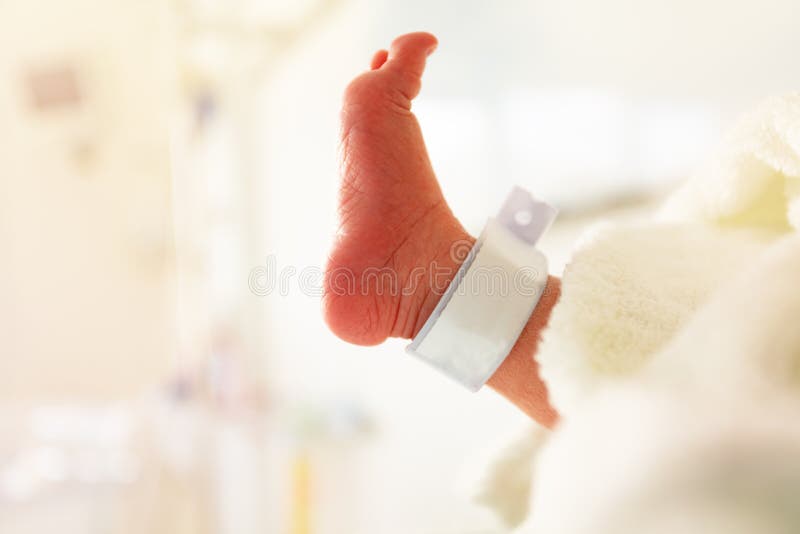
(406, 60)
(395, 75)
(412, 49)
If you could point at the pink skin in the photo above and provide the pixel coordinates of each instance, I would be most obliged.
(394, 217)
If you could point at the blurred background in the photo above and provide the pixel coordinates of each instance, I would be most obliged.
(167, 197)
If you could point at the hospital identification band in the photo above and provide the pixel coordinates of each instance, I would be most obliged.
(483, 311)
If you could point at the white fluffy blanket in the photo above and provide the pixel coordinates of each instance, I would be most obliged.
(674, 359)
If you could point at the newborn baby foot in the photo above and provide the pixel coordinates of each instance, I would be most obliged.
(399, 244)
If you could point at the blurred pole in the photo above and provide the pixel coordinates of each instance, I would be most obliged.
(301, 493)
(227, 55)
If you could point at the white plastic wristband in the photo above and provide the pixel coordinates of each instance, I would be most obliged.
(483, 311)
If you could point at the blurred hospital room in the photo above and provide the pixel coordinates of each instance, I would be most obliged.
(168, 185)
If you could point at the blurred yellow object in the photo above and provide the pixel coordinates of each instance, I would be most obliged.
(301, 494)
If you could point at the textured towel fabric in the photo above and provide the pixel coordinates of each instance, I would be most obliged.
(505, 486)
(624, 296)
(754, 180)
(704, 437)
(681, 323)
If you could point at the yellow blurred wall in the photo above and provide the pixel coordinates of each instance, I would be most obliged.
(86, 300)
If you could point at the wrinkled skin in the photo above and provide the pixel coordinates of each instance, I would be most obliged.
(392, 212)
(394, 220)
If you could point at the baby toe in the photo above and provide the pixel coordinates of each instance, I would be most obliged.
(406, 60)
